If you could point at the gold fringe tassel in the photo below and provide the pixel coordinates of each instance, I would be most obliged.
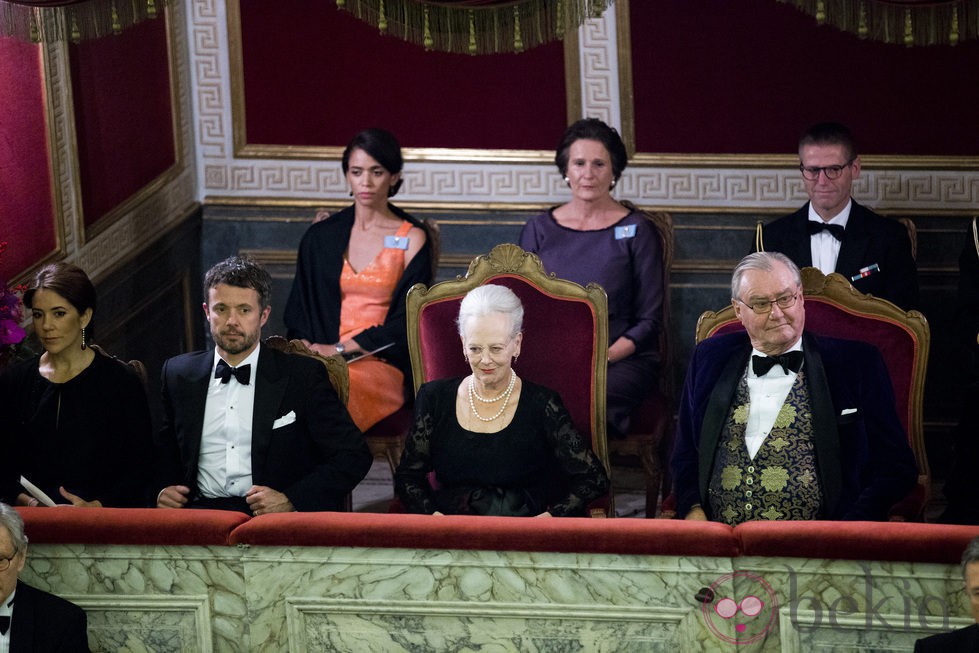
(941, 22)
(75, 22)
(514, 26)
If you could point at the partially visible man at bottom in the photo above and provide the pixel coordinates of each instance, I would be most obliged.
(807, 430)
(963, 639)
(32, 620)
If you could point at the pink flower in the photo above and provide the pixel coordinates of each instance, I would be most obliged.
(10, 332)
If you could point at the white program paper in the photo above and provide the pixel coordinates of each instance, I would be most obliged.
(36, 492)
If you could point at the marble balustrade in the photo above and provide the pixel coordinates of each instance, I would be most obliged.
(358, 582)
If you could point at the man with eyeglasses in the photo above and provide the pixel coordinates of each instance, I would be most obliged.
(834, 233)
(30, 619)
(778, 424)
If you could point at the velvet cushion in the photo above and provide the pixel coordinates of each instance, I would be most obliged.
(572, 535)
(835, 540)
(67, 525)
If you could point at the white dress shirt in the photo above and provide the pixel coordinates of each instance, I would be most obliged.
(7, 610)
(824, 246)
(766, 395)
(224, 466)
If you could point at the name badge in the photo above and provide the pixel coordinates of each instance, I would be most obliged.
(396, 242)
(628, 231)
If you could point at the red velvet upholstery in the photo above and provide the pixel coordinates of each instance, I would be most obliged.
(572, 535)
(557, 344)
(67, 525)
(887, 541)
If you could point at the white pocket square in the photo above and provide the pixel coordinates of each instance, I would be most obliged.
(847, 411)
(285, 420)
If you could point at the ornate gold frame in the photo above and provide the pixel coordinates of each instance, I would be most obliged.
(510, 260)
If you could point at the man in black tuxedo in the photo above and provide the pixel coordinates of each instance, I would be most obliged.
(963, 639)
(834, 233)
(808, 430)
(32, 621)
(249, 428)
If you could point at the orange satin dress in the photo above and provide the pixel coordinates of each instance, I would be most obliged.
(376, 388)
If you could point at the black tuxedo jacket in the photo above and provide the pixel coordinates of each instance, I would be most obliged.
(43, 623)
(868, 239)
(315, 460)
(864, 461)
(963, 640)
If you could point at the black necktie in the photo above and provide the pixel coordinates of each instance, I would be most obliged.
(790, 360)
(836, 230)
(4, 625)
(225, 372)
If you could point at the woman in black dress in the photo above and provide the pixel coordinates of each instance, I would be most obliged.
(499, 445)
(78, 423)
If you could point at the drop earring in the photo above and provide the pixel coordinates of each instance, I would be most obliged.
(567, 181)
(83, 338)
(614, 181)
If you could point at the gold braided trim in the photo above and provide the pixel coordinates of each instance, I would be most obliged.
(902, 22)
(512, 26)
(77, 21)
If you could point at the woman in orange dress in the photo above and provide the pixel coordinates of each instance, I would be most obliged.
(353, 272)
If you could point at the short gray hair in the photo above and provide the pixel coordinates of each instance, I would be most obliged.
(970, 555)
(491, 298)
(11, 520)
(762, 261)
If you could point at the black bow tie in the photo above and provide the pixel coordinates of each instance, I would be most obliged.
(4, 625)
(224, 372)
(790, 361)
(835, 230)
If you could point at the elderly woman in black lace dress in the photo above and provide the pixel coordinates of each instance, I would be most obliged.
(498, 444)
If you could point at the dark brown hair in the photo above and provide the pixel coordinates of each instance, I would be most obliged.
(68, 280)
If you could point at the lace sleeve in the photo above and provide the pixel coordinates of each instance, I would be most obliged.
(586, 476)
(411, 478)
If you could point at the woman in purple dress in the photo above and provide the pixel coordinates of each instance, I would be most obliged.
(594, 238)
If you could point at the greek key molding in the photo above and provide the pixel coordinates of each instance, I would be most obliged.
(598, 62)
(694, 186)
(61, 132)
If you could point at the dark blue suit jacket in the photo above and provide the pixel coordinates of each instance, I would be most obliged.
(963, 640)
(45, 623)
(864, 461)
(869, 238)
(315, 461)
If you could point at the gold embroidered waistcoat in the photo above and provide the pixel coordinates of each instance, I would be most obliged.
(781, 481)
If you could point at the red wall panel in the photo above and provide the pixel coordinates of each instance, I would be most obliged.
(26, 211)
(748, 76)
(123, 114)
(315, 75)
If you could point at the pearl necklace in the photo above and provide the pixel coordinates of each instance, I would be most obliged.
(505, 396)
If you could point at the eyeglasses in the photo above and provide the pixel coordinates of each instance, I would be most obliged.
(5, 562)
(750, 605)
(496, 352)
(832, 172)
(764, 306)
